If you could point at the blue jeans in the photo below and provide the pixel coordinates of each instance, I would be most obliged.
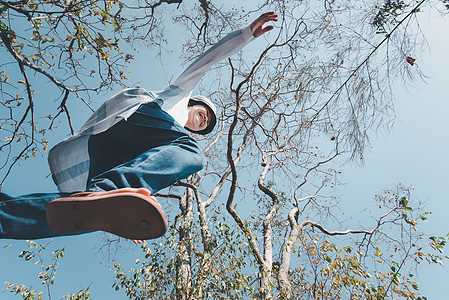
(148, 150)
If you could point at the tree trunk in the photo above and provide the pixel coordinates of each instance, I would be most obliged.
(184, 270)
(266, 284)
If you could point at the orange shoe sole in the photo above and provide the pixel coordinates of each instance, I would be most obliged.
(126, 214)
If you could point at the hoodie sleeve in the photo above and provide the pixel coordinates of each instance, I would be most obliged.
(226, 47)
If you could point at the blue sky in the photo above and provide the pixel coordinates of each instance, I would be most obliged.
(413, 153)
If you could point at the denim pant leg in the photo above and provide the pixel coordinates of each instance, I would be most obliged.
(24, 217)
(148, 150)
(155, 169)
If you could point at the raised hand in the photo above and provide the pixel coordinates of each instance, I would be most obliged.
(256, 26)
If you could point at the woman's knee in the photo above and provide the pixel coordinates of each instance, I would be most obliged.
(197, 161)
(192, 161)
(192, 157)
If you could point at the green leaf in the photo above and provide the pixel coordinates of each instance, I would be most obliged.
(48, 39)
(403, 201)
(408, 208)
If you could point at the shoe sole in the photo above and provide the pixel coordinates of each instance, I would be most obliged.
(129, 215)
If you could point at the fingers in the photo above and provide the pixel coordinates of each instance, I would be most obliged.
(266, 17)
(256, 26)
(270, 15)
(268, 28)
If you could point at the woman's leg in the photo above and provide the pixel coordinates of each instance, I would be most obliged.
(154, 170)
(24, 217)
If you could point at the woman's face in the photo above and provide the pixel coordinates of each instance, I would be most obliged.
(199, 118)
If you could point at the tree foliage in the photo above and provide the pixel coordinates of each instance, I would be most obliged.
(310, 99)
(79, 48)
(38, 253)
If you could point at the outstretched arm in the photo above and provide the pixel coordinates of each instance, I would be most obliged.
(226, 47)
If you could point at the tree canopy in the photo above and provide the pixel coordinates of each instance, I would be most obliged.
(311, 98)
